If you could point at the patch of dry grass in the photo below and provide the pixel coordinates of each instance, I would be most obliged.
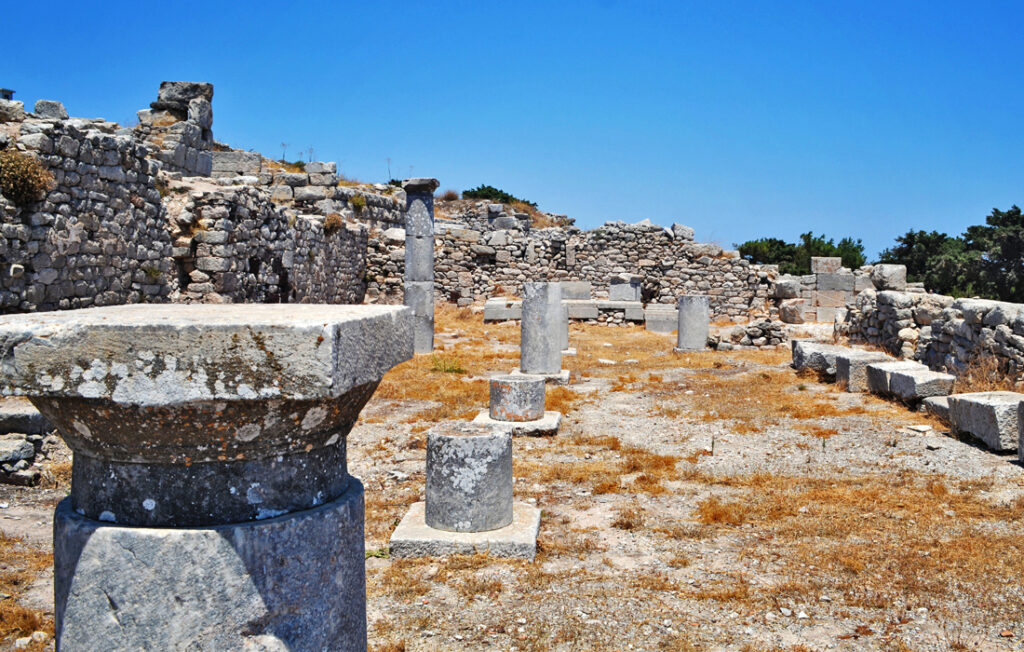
(19, 566)
(986, 374)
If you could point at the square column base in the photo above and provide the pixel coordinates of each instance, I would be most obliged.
(414, 538)
(561, 378)
(544, 426)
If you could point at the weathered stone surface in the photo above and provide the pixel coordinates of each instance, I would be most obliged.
(563, 329)
(50, 110)
(234, 163)
(879, 374)
(540, 343)
(12, 111)
(414, 538)
(469, 478)
(851, 368)
(516, 398)
(694, 323)
(153, 355)
(501, 309)
(912, 385)
(660, 318)
(835, 282)
(825, 264)
(889, 277)
(937, 406)
(572, 290)
(791, 311)
(545, 426)
(419, 295)
(419, 213)
(296, 582)
(816, 356)
(419, 258)
(14, 450)
(991, 417)
(420, 185)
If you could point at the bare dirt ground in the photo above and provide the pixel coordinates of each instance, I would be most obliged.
(712, 501)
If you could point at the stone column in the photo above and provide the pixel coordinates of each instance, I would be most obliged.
(694, 323)
(469, 478)
(419, 259)
(210, 504)
(540, 349)
(563, 330)
(517, 398)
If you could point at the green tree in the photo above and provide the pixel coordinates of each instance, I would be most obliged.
(942, 262)
(796, 258)
(999, 247)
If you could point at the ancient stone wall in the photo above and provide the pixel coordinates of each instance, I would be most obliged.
(99, 236)
(945, 333)
(103, 235)
(472, 265)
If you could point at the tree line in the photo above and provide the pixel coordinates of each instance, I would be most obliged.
(987, 260)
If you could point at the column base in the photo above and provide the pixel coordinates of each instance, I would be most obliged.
(545, 426)
(414, 538)
(294, 582)
(560, 378)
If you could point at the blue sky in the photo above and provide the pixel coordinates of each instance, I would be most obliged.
(741, 119)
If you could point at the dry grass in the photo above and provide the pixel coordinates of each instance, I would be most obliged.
(19, 566)
(986, 374)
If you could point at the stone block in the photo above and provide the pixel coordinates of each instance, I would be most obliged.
(414, 538)
(516, 398)
(237, 164)
(561, 377)
(889, 277)
(835, 282)
(825, 314)
(879, 374)
(50, 110)
(937, 406)
(991, 417)
(19, 415)
(912, 385)
(788, 288)
(661, 319)
(792, 311)
(851, 368)
(294, 582)
(825, 264)
(501, 309)
(12, 111)
(469, 478)
(694, 323)
(830, 298)
(816, 356)
(419, 214)
(15, 449)
(463, 235)
(575, 290)
(583, 309)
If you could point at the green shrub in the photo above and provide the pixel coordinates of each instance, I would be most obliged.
(446, 365)
(358, 203)
(491, 193)
(23, 179)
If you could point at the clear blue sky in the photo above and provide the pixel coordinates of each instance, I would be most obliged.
(742, 120)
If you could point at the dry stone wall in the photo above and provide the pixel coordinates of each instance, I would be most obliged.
(472, 264)
(945, 333)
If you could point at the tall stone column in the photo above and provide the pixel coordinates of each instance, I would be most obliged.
(540, 347)
(210, 503)
(694, 323)
(419, 259)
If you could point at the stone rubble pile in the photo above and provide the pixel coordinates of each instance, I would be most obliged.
(179, 126)
(762, 333)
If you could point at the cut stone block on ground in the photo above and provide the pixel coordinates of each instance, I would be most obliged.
(851, 368)
(912, 385)
(879, 374)
(989, 416)
(414, 538)
(816, 356)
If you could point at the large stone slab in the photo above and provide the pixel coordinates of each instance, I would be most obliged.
(414, 538)
(816, 356)
(991, 417)
(825, 264)
(583, 309)
(168, 354)
(912, 385)
(633, 310)
(937, 406)
(851, 368)
(879, 374)
(661, 318)
(575, 290)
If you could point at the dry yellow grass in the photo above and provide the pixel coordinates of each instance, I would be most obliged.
(19, 566)
(986, 374)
